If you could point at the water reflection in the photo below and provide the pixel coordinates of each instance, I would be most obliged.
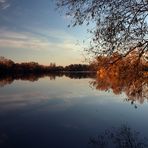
(131, 82)
(8, 79)
(122, 137)
(62, 113)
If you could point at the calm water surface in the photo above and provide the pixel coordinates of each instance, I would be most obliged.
(63, 113)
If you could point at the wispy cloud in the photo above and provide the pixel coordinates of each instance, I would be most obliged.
(34, 41)
(4, 4)
(2, 1)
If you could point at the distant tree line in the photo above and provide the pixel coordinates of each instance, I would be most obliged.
(9, 66)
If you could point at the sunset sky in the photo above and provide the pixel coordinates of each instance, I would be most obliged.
(31, 30)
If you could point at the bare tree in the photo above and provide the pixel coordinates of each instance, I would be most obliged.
(119, 25)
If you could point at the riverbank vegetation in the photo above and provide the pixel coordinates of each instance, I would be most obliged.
(8, 66)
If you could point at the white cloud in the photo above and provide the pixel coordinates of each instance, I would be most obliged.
(53, 33)
(2, 1)
(64, 39)
(27, 40)
(4, 4)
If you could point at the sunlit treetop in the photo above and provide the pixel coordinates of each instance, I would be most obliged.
(120, 25)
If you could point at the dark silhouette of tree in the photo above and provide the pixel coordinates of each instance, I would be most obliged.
(123, 137)
(32, 71)
(118, 25)
(8, 66)
(77, 67)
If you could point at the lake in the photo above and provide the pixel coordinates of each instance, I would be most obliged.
(66, 112)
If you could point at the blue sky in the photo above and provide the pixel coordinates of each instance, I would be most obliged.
(31, 30)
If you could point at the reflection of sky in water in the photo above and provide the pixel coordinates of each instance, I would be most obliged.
(62, 113)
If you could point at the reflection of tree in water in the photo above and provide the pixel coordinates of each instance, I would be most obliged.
(6, 81)
(9, 78)
(123, 137)
(126, 76)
